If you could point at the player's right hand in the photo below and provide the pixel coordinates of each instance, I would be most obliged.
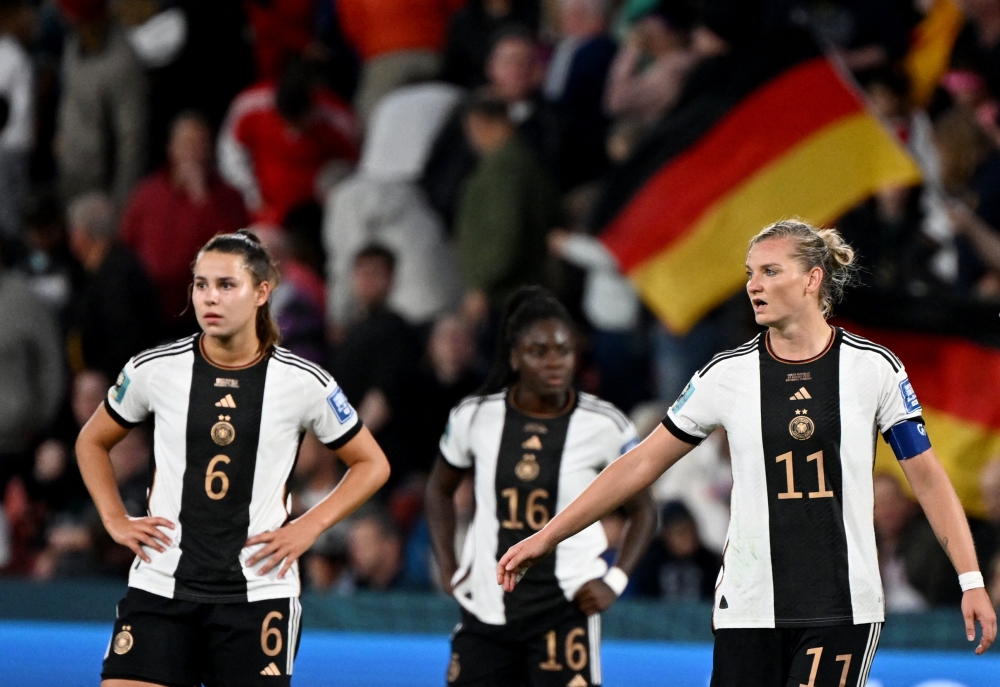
(519, 558)
(976, 605)
(136, 533)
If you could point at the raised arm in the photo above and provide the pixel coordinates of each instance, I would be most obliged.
(96, 440)
(440, 508)
(619, 482)
(937, 497)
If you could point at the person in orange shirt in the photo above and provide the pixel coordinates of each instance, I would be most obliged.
(398, 41)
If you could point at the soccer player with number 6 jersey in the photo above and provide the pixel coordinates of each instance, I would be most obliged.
(799, 600)
(532, 444)
(213, 595)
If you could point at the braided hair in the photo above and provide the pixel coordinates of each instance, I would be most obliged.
(261, 266)
(525, 307)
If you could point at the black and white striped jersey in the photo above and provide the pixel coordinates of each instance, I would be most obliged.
(801, 544)
(224, 444)
(526, 470)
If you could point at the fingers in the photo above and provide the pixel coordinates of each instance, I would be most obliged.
(970, 624)
(988, 623)
(160, 522)
(260, 538)
(137, 550)
(289, 560)
(263, 553)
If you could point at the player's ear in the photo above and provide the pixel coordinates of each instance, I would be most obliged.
(815, 280)
(263, 292)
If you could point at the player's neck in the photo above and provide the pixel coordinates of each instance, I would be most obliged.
(239, 350)
(535, 403)
(800, 340)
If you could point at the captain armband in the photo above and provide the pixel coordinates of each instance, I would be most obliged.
(908, 438)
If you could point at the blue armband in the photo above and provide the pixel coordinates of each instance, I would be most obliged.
(908, 438)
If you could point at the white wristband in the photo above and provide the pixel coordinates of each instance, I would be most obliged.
(617, 580)
(971, 580)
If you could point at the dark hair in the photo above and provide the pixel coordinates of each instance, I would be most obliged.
(484, 103)
(379, 252)
(525, 307)
(261, 267)
(512, 32)
(293, 95)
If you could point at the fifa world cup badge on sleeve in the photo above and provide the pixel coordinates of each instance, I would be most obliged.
(121, 386)
(683, 398)
(910, 401)
(341, 406)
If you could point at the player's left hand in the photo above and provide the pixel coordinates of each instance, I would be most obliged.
(976, 605)
(286, 544)
(594, 597)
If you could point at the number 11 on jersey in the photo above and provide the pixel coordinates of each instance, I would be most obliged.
(790, 493)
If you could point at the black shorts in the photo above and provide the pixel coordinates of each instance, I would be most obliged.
(832, 656)
(185, 643)
(565, 654)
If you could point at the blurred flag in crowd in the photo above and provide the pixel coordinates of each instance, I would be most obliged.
(768, 131)
(930, 48)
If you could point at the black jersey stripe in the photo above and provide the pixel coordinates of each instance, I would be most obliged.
(116, 416)
(165, 354)
(680, 433)
(286, 355)
(861, 341)
(294, 363)
(299, 362)
(889, 357)
(346, 436)
(750, 347)
(600, 407)
(186, 341)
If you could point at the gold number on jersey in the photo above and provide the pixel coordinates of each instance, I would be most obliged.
(846, 658)
(790, 493)
(536, 513)
(823, 492)
(790, 476)
(550, 662)
(211, 474)
(817, 653)
(576, 652)
(266, 633)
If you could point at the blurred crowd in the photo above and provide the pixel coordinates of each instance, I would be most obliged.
(410, 163)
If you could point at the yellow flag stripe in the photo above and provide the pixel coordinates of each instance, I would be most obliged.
(817, 180)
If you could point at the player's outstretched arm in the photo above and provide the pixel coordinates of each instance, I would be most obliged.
(944, 511)
(439, 505)
(96, 440)
(367, 471)
(619, 482)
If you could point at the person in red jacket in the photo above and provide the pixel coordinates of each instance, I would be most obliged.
(176, 210)
(283, 142)
(398, 41)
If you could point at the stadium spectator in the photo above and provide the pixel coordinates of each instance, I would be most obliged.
(46, 261)
(987, 533)
(895, 518)
(399, 42)
(286, 143)
(677, 566)
(381, 203)
(472, 31)
(375, 550)
(101, 128)
(977, 47)
(17, 91)
(117, 313)
(175, 211)
(507, 208)
(514, 74)
(648, 72)
(282, 29)
(31, 373)
(376, 360)
(574, 85)
(327, 567)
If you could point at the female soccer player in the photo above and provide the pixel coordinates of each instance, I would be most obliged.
(533, 444)
(213, 595)
(799, 600)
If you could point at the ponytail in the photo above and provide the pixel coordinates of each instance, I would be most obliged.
(261, 267)
(525, 307)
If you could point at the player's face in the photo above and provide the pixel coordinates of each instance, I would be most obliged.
(545, 357)
(224, 296)
(780, 290)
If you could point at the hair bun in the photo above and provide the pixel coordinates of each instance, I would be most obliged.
(249, 235)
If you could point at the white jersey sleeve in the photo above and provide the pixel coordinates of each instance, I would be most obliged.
(330, 416)
(454, 444)
(695, 414)
(897, 400)
(128, 401)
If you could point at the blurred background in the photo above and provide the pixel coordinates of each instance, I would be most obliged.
(410, 163)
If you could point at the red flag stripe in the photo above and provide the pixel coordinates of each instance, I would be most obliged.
(789, 108)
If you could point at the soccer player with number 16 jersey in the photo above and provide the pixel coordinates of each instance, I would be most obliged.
(799, 599)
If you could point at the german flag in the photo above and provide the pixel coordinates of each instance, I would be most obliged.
(952, 356)
(760, 134)
(930, 48)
